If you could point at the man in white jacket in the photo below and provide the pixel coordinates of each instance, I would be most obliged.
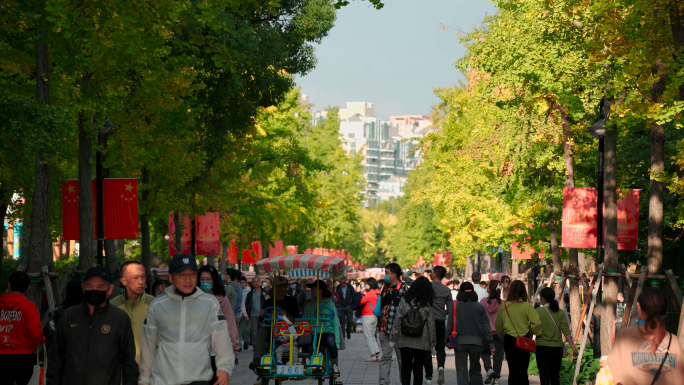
(181, 329)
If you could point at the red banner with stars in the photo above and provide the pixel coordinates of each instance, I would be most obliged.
(120, 197)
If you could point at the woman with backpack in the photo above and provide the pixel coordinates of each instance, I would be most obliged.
(550, 347)
(413, 331)
(491, 305)
(368, 320)
(472, 328)
(516, 320)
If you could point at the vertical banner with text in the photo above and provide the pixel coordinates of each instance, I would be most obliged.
(207, 239)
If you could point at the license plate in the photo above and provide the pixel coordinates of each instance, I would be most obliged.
(290, 369)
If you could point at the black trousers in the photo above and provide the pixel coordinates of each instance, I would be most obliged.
(518, 361)
(549, 360)
(439, 348)
(412, 361)
(16, 367)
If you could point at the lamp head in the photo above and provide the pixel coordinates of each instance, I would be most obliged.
(598, 129)
(106, 127)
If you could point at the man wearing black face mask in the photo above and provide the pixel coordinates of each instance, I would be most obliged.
(93, 342)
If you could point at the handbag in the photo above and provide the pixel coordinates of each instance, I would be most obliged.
(377, 310)
(453, 338)
(38, 377)
(565, 350)
(522, 343)
(660, 368)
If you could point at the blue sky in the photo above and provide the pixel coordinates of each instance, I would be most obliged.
(393, 57)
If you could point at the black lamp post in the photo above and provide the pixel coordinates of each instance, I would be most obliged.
(598, 131)
(106, 127)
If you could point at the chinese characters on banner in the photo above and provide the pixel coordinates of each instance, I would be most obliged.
(579, 218)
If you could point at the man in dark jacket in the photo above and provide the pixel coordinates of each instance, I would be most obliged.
(345, 293)
(94, 341)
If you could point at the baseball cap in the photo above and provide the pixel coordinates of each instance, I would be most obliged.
(280, 280)
(101, 272)
(181, 262)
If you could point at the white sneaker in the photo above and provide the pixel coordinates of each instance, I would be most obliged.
(440, 376)
(372, 359)
(336, 371)
(495, 381)
(428, 381)
(489, 377)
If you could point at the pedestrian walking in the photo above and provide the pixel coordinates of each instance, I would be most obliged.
(491, 305)
(550, 347)
(94, 341)
(181, 330)
(74, 296)
(517, 317)
(472, 327)
(392, 292)
(20, 332)
(330, 337)
(134, 301)
(231, 281)
(159, 287)
(253, 305)
(481, 291)
(413, 330)
(369, 322)
(244, 329)
(443, 305)
(210, 282)
(647, 354)
(345, 293)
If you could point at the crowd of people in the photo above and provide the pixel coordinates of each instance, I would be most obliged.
(188, 329)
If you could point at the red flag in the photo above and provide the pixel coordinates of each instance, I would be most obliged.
(186, 237)
(207, 234)
(70, 210)
(120, 208)
(233, 252)
(275, 250)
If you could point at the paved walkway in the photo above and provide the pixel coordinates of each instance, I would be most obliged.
(354, 370)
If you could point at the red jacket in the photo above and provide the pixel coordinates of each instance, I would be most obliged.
(20, 331)
(368, 302)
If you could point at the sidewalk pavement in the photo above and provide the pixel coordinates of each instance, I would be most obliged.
(355, 370)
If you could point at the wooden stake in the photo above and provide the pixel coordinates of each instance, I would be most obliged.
(628, 306)
(586, 329)
(640, 287)
(47, 285)
(584, 308)
(674, 289)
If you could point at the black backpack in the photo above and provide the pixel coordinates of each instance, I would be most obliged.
(412, 323)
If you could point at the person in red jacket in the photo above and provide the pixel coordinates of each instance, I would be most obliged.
(20, 331)
(369, 320)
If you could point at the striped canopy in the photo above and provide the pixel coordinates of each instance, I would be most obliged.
(306, 273)
(329, 264)
(250, 275)
(366, 274)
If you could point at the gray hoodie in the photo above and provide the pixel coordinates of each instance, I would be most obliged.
(471, 324)
(444, 303)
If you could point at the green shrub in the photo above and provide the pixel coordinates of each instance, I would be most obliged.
(588, 369)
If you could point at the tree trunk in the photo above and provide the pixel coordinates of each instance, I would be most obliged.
(468, 267)
(111, 260)
(655, 199)
(553, 235)
(4, 204)
(179, 232)
(41, 192)
(573, 262)
(476, 262)
(86, 234)
(611, 263)
(146, 252)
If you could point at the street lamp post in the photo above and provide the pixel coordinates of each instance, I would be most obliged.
(106, 127)
(598, 131)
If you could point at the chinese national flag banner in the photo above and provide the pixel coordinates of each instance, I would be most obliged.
(70, 210)
(233, 252)
(579, 217)
(293, 249)
(186, 237)
(207, 229)
(525, 253)
(121, 208)
(275, 250)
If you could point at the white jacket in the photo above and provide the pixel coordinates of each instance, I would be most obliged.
(178, 336)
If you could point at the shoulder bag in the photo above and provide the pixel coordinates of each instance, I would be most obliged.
(565, 350)
(522, 343)
(453, 339)
(660, 368)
